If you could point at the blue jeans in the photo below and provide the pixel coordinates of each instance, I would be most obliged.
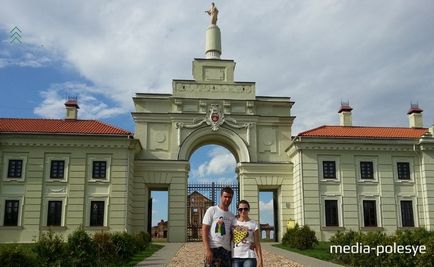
(243, 262)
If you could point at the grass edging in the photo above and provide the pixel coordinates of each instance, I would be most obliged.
(140, 256)
(321, 252)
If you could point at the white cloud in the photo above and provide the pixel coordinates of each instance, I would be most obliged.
(376, 54)
(3, 62)
(266, 206)
(91, 107)
(266, 212)
(30, 60)
(28, 56)
(219, 180)
(219, 161)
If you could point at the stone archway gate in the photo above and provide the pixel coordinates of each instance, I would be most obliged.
(211, 109)
(201, 196)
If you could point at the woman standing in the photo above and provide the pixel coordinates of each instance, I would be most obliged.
(246, 250)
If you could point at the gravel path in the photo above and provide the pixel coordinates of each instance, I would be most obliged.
(191, 255)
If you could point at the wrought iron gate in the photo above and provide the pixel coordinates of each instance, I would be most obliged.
(200, 198)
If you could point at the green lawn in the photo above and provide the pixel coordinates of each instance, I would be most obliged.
(151, 249)
(322, 251)
(27, 247)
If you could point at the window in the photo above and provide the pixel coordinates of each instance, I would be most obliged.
(15, 168)
(331, 213)
(97, 213)
(329, 169)
(57, 169)
(370, 213)
(407, 218)
(11, 212)
(99, 169)
(403, 169)
(54, 214)
(367, 170)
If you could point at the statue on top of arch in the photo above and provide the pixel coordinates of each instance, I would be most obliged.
(213, 12)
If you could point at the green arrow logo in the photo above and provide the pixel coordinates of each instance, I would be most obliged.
(15, 35)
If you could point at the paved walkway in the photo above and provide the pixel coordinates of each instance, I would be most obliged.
(162, 257)
(191, 254)
(299, 258)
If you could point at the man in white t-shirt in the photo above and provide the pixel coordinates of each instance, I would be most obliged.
(216, 231)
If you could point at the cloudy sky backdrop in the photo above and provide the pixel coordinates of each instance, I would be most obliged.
(378, 55)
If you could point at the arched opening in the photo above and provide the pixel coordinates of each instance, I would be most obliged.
(212, 163)
(224, 137)
(212, 167)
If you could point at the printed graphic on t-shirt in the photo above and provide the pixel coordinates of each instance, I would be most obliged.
(220, 227)
(243, 236)
(220, 223)
(240, 234)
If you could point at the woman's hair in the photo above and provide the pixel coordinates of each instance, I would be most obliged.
(243, 202)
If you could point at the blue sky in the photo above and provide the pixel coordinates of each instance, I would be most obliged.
(378, 55)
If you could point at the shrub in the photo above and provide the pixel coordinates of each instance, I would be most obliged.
(125, 245)
(344, 239)
(360, 240)
(300, 238)
(142, 240)
(81, 248)
(288, 237)
(426, 259)
(50, 249)
(16, 256)
(415, 237)
(105, 250)
(373, 239)
(305, 238)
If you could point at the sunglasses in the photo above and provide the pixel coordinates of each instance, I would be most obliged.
(243, 209)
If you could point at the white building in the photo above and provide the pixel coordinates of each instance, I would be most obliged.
(364, 178)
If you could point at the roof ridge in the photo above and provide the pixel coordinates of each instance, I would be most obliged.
(56, 126)
(382, 127)
(313, 129)
(338, 131)
(50, 119)
(113, 126)
(362, 126)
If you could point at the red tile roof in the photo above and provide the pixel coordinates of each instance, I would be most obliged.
(56, 126)
(365, 132)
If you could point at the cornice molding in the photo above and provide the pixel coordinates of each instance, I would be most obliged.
(351, 145)
(355, 148)
(23, 143)
(277, 169)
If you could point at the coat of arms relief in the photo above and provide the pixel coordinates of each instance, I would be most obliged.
(215, 118)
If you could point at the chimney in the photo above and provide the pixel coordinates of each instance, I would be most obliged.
(345, 114)
(71, 108)
(415, 118)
